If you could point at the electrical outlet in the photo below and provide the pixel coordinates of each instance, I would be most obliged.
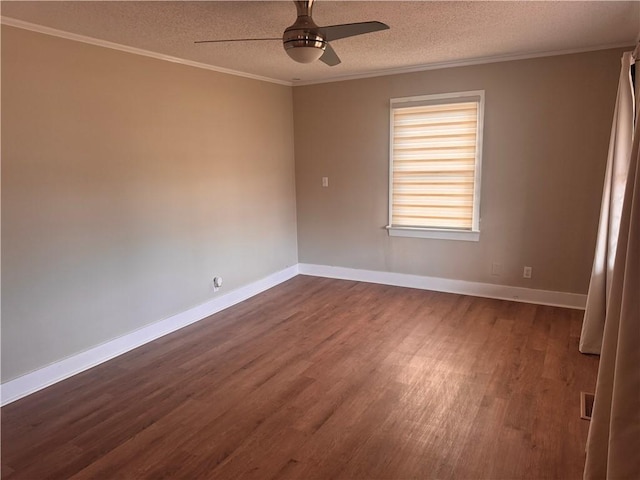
(325, 181)
(496, 269)
(526, 273)
(217, 283)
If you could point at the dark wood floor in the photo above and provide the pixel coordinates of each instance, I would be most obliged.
(322, 378)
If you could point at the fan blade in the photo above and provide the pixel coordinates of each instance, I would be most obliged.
(238, 40)
(330, 57)
(335, 32)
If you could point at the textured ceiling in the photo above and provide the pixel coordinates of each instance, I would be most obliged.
(421, 34)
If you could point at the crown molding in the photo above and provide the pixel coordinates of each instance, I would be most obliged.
(13, 22)
(461, 63)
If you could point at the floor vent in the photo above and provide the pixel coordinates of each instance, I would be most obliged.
(586, 405)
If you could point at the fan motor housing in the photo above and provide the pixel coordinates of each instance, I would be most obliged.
(303, 33)
(305, 42)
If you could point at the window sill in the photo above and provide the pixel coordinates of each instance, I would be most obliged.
(413, 232)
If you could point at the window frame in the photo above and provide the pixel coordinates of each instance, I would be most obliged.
(433, 232)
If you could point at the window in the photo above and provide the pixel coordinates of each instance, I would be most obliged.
(435, 160)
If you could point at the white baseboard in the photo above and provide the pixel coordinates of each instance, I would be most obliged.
(43, 377)
(476, 289)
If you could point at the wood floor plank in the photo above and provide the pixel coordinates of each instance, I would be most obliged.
(321, 378)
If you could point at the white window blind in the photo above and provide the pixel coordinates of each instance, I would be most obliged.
(435, 161)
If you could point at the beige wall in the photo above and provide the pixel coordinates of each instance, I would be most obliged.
(127, 184)
(547, 124)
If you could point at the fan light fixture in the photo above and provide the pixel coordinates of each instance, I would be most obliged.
(305, 54)
(305, 50)
(306, 42)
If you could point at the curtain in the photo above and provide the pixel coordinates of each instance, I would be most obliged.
(615, 180)
(613, 446)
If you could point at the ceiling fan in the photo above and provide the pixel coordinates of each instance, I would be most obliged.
(305, 42)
